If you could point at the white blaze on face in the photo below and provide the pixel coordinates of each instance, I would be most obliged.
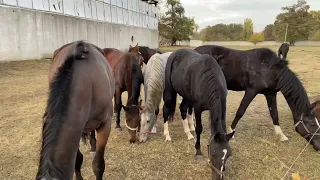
(223, 157)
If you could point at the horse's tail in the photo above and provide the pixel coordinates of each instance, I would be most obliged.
(168, 87)
(57, 104)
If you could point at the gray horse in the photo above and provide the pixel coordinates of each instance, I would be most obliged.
(153, 90)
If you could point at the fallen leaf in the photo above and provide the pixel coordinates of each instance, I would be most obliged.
(295, 176)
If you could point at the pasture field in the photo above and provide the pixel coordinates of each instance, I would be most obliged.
(257, 151)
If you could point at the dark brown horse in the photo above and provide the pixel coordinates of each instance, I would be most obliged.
(147, 52)
(128, 77)
(80, 100)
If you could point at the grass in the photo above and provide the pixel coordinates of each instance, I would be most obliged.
(257, 151)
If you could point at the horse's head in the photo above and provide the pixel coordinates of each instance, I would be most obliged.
(135, 51)
(219, 152)
(148, 119)
(132, 121)
(309, 125)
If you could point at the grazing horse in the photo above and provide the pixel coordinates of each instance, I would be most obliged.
(147, 52)
(283, 50)
(128, 77)
(80, 100)
(153, 90)
(200, 81)
(260, 71)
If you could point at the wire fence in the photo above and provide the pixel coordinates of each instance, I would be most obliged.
(127, 12)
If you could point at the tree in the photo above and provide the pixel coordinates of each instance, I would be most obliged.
(174, 25)
(256, 37)
(268, 33)
(298, 20)
(248, 28)
(222, 32)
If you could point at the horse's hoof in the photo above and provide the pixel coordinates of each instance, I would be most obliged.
(283, 138)
(168, 138)
(118, 127)
(92, 154)
(190, 136)
(199, 157)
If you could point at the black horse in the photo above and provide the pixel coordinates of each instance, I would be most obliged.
(200, 81)
(283, 50)
(147, 52)
(260, 71)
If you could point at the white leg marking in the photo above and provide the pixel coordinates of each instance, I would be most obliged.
(166, 131)
(191, 121)
(154, 130)
(278, 131)
(223, 157)
(186, 129)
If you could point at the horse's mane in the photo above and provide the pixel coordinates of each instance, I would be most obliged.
(154, 81)
(293, 90)
(137, 78)
(209, 81)
(56, 109)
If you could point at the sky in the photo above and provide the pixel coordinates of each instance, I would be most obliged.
(262, 12)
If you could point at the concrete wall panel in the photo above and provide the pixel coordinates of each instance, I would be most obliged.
(28, 34)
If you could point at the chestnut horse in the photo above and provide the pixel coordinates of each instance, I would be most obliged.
(81, 87)
(128, 77)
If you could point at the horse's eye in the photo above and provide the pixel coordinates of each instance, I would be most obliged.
(148, 121)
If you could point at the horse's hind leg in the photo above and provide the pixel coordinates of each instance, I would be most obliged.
(272, 105)
(93, 141)
(79, 160)
(183, 110)
(190, 118)
(170, 98)
(98, 163)
(246, 100)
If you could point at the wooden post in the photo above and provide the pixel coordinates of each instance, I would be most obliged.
(285, 38)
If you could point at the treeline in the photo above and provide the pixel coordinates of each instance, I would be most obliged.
(301, 24)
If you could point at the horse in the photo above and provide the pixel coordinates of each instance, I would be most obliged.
(128, 77)
(147, 52)
(153, 90)
(81, 87)
(283, 50)
(200, 81)
(261, 71)
(316, 105)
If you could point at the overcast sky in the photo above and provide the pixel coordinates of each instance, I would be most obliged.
(262, 12)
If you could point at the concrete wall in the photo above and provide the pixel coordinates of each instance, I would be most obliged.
(28, 34)
(196, 43)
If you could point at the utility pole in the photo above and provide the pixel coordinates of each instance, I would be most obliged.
(285, 38)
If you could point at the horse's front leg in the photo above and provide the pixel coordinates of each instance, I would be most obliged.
(183, 110)
(199, 128)
(118, 106)
(272, 105)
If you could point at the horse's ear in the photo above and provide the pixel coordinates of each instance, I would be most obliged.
(125, 108)
(130, 46)
(137, 45)
(230, 135)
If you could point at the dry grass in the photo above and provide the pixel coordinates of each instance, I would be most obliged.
(257, 151)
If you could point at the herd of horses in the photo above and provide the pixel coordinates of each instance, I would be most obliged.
(84, 79)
